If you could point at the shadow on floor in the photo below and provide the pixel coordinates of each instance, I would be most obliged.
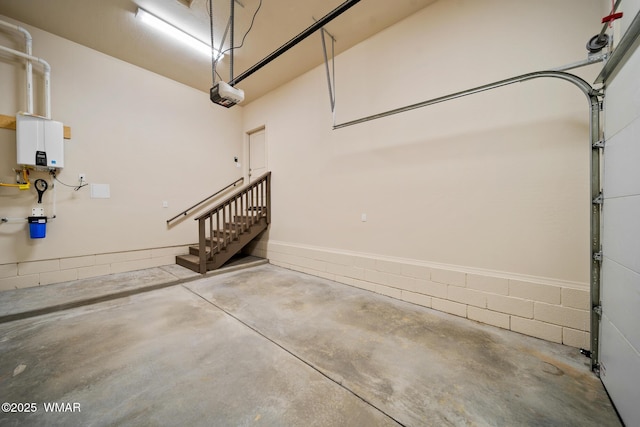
(35, 301)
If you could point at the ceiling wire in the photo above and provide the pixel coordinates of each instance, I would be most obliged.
(214, 58)
(247, 32)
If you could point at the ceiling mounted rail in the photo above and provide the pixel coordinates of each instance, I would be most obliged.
(297, 39)
(622, 52)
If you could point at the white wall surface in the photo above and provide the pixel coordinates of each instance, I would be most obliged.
(497, 181)
(151, 139)
(478, 207)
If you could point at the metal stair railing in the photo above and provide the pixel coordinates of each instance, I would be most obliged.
(186, 211)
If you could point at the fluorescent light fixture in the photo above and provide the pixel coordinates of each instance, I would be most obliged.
(175, 32)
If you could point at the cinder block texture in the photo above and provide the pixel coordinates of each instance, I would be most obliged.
(416, 271)
(346, 270)
(536, 329)
(466, 296)
(516, 306)
(534, 291)
(8, 270)
(415, 298)
(46, 272)
(94, 271)
(448, 277)
(426, 287)
(389, 266)
(58, 276)
(489, 317)
(76, 262)
(574, 338)
(494, 285)
(121, 267)
(169, 251)
(122, 257)
(35, 267)
(364, 262)
(449, 307)
(575, 298)
(19, 282)
(562, 316)
(362, 284)
(390, 292)
(381, 277)
(334, 258)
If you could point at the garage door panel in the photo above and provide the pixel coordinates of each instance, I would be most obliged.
(621, 101)
(621, 299)
(622, 178)
(621, 231)
(619, 340)
(620, 371)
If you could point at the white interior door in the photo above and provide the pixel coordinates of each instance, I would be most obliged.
(257, 154)
(620, 289)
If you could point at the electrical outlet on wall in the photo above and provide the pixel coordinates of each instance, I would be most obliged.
(82, 177)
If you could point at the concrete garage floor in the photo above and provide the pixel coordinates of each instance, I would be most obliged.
(269, 346)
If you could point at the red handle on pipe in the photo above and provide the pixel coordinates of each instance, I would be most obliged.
(612, 17)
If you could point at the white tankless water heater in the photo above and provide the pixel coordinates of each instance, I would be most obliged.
(40, 142)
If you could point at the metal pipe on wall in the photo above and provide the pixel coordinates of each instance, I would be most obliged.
(595, 184)
(28, 50)
(47, 75)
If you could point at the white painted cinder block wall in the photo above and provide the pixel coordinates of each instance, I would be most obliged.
(478, 207)
(151, 139)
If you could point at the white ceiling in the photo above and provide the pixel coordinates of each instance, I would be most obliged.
(109, 26)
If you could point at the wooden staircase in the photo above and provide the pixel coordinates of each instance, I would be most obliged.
(226, 228)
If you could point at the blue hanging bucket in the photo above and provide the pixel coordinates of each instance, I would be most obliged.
(37, 227)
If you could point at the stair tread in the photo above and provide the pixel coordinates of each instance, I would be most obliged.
(190, 258)
(196, 248)
(233, 243)
(206, 248)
